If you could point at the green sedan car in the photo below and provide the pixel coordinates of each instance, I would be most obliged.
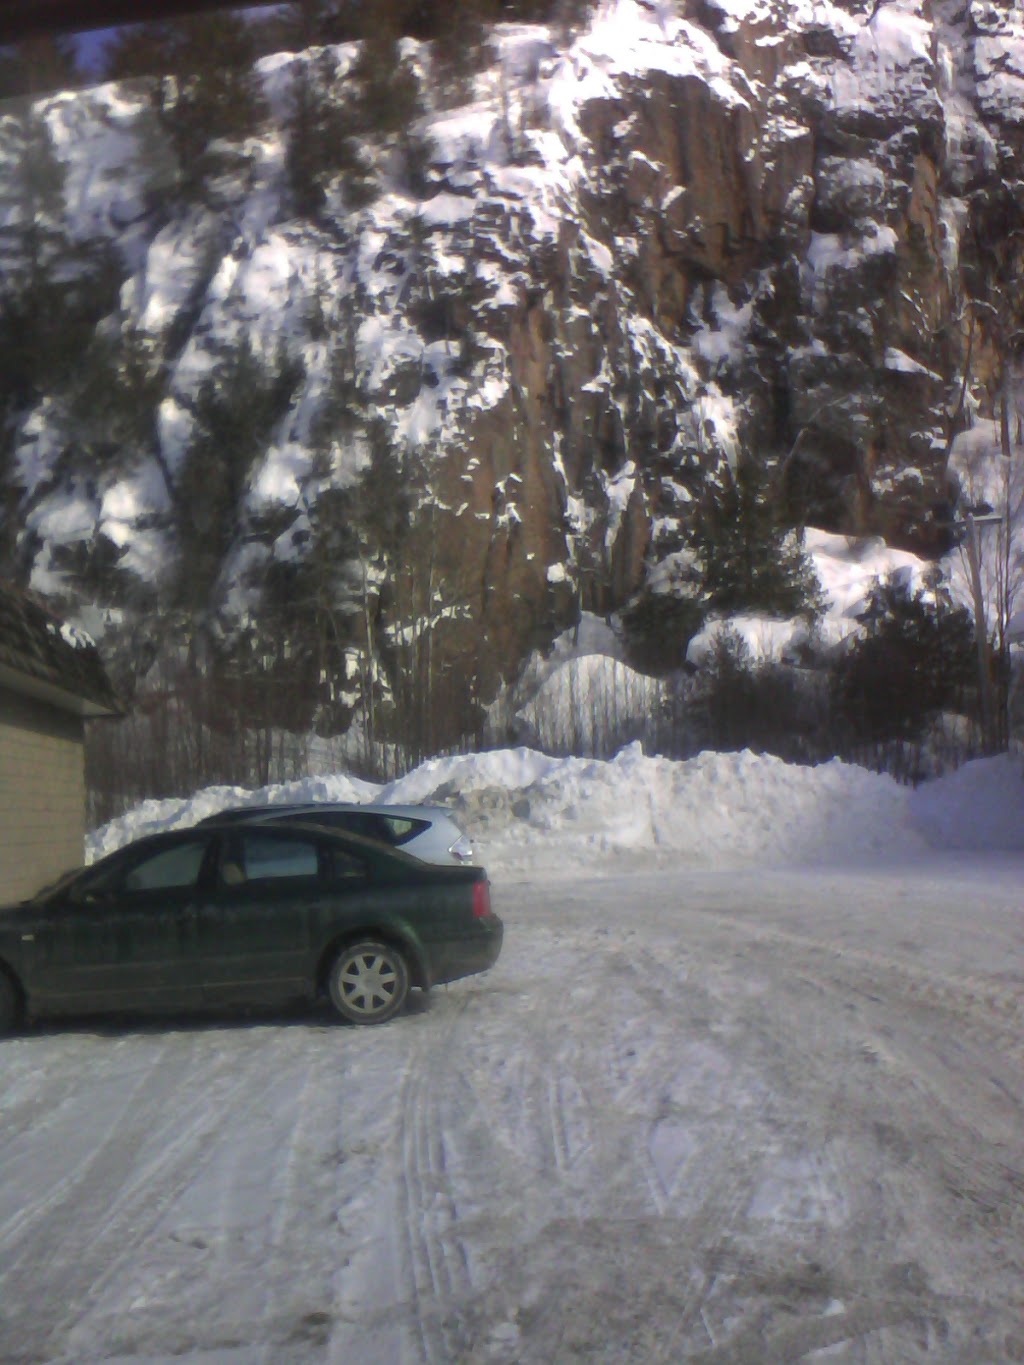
(245, 915)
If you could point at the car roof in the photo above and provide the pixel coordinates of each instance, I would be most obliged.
(409, 811)
(356, 842)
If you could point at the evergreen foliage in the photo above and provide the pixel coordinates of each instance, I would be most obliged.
(156, 165)
(329, 123)
(206, 93)
(38, 66)
(34, 190)
(461, 46)
(53, 291)
(323, 594)
(749, 560)
(139, 50)
(384, 499)
(386, 94)
(318, 145)
(313, 23)
(916, 659)
(764, 705)
(236, 409)
(658, 627)
(117, 388)
(730, 692)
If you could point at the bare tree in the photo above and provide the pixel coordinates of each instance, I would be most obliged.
(992, 556)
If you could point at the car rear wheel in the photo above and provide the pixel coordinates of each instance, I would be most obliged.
(368, 982)
(10, 1003)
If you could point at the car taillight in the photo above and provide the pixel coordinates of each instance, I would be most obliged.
(481, 899)
(462, 850)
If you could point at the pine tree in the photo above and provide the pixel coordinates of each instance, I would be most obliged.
(658, 628)
(314, 23)
(236, 409)
(116, 388)
(385, 91)
(53, 291)
(207, 95)
(35, 190)
(317, 147)
(461, 45)
(139, 50)
(38, 66)
(748, 559)
(916, 658)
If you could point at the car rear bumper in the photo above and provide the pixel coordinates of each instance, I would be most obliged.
(476, 952)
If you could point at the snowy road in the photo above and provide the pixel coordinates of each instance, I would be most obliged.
(705, 1116)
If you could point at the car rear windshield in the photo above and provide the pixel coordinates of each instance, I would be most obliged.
(386, 829)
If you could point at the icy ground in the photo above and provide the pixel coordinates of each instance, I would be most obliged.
(747, 1085)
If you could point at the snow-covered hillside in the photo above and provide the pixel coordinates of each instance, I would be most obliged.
(576, 295)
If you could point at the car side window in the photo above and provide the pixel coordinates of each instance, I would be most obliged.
(355, 821)
(250, 856)
(346, 868)
(176, 867)
(402, 829)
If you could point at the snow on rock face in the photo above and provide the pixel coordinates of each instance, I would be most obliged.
(620, 264)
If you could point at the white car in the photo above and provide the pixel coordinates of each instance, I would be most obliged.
(427, 832)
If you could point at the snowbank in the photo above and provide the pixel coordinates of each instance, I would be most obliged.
(526, 809)
(980, 806)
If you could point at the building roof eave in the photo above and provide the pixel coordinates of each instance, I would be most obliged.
(38, 689)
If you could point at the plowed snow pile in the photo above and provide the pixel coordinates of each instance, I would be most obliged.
(526, 809)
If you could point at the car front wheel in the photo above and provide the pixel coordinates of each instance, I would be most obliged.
(368, 982)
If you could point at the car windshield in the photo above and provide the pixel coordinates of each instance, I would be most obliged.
(56, 888)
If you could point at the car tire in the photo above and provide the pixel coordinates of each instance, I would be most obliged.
(368, 982)
(10, 1003)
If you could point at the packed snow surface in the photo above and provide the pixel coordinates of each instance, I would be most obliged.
(746, 1085)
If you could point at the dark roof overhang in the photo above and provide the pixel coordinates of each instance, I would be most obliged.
(38, 690)
(41, 657)
(27, 18)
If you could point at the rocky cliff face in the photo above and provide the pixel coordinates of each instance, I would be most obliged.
(702, 232)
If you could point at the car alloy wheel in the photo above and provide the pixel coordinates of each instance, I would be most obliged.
(369, 982)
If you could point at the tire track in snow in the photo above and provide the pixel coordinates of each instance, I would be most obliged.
(729, 1174)
(915, 1082)
(791, 1342)
(739, 1261)
(24, 1110)
(990, 1010)
(436, 1267)
(977, 1013)
(726, 1179)
(571, 1129)
(104, 1224)
(571, 1117)
(289, 1233)
(139, 1102)
(256, 1226)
